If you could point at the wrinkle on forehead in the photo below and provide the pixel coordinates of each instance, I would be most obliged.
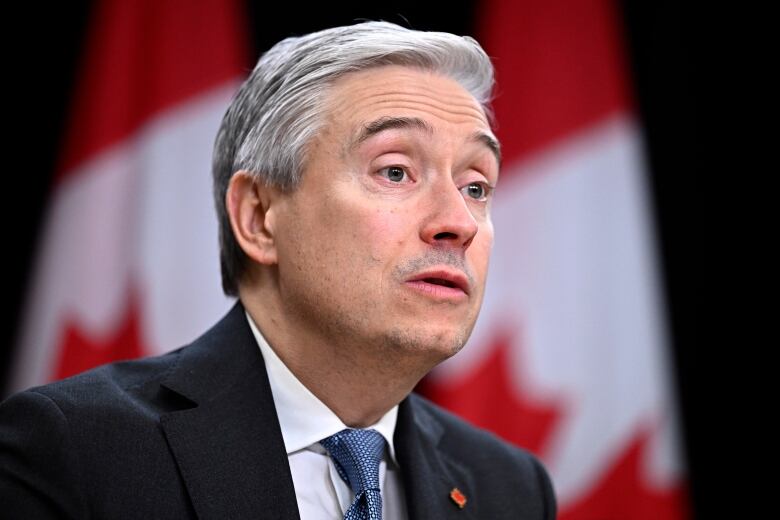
(440, 95)
(457, 112)
(459, 99)
(372, 96)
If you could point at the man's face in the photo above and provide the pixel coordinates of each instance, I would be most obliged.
(387, 238)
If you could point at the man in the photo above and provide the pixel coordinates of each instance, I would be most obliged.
(353, 177)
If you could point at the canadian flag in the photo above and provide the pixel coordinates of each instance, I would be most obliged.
(128, 261)
(570, 356)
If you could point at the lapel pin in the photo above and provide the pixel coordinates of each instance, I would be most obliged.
(458, 497)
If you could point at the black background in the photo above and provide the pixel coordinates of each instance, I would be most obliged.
(43, 44)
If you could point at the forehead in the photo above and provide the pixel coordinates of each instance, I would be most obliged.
(391, 91)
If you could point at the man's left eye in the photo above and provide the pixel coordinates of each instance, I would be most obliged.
(393, 173)
(476, 190)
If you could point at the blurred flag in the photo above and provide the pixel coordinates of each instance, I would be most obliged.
(570, 356)
(128, 261)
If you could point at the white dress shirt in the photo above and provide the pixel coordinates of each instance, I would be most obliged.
(305, 420)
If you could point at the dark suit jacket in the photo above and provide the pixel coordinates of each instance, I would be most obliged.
(194, 433)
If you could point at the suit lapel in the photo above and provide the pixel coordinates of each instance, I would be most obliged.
(429, 472)
(229, 448)
(226, 440)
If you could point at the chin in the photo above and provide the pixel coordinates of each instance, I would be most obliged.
(434, 345)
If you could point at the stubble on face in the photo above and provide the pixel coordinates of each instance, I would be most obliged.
(339, 278)
(392, 344)
(407, 339)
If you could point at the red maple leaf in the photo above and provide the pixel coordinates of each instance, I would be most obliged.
(488, 398)
(625, 494)
(80, 351)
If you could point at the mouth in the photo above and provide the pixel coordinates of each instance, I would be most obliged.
(441, 284)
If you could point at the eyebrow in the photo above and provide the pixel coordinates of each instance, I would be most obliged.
(391, 123)
(489, 141)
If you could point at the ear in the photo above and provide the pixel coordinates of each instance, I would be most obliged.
(250, 206)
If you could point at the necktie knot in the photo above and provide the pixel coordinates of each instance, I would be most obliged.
(357, 454)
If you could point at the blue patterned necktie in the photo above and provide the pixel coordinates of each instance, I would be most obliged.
(356, 454)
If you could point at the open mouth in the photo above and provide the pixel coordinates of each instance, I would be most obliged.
(441, 281)
(441, 285)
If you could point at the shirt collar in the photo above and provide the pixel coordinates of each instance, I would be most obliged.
(304, 419)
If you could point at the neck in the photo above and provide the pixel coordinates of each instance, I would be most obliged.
(358, 380)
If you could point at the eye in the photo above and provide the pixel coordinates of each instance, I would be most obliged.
(393, 173)
(477, 191)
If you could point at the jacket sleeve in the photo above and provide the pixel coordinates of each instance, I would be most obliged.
(39, 474)
(548, 492)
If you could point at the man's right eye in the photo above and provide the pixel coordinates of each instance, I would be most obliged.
(393, 173)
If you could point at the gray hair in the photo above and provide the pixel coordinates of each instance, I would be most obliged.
(279, 109)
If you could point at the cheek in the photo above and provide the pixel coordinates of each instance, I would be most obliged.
(384, 231)
(349, 231)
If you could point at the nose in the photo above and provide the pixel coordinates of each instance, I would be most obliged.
(449, 221)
